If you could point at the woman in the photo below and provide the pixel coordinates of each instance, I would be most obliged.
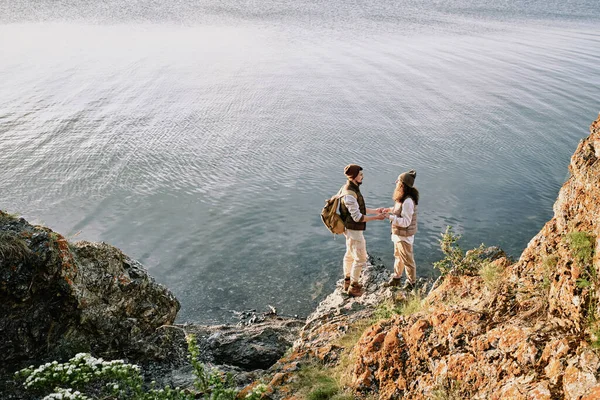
(403, 217)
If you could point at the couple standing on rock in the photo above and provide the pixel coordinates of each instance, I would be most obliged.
(403, 219)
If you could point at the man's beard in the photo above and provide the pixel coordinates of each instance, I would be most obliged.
(358, 183)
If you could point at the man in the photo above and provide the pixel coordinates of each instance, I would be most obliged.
(353, 211)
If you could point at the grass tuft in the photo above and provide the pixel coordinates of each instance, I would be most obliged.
(549, 264)
(413, 305)
(13, 246)
(315, 382)
(386, 310)
(491, 274)
(581, 245)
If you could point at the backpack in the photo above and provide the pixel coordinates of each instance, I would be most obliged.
(329, 214)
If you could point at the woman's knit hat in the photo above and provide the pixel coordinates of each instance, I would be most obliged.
(408, 178)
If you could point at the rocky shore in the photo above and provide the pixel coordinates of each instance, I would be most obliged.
(532, 333)
(59, 298)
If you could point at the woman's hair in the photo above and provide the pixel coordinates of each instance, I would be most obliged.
(402, 192)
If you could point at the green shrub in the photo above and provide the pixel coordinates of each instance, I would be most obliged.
(453, 253)
(83, 372)
(455, 260)
(386, 310)
(213, 382)
(87, 377)
(581, 245)
(257, 392)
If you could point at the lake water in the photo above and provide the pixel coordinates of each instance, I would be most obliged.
(202, 137)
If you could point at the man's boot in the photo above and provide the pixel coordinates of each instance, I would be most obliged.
(346, 284)
(355, 289)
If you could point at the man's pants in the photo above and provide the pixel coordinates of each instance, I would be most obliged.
(404, 258)
(355, 258)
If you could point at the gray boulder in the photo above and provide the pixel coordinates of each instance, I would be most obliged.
(59, 298)
(248, 347)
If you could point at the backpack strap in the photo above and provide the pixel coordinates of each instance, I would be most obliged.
(343, 192)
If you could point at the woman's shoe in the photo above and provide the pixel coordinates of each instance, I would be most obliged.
(393, 282)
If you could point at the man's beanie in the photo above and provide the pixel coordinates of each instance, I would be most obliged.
(352, 170)
(408, 178)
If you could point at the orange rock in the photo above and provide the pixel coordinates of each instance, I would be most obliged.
(555, 349)
(417, 331)
(577, 383)
(592, 394)
(541, 391)
(554, 370)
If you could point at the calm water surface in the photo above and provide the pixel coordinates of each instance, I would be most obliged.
(203, 137)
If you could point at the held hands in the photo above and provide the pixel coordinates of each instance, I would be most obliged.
(380, 216)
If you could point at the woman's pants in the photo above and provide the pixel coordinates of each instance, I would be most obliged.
(405, 259)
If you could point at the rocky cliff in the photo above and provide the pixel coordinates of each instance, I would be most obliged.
(59, 298)
(532, 334)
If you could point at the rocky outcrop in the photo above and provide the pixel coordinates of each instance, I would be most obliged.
(318, 338)
(532, 334)
(256, 346)
(532, 337)
(58, 298)
(245, 349)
